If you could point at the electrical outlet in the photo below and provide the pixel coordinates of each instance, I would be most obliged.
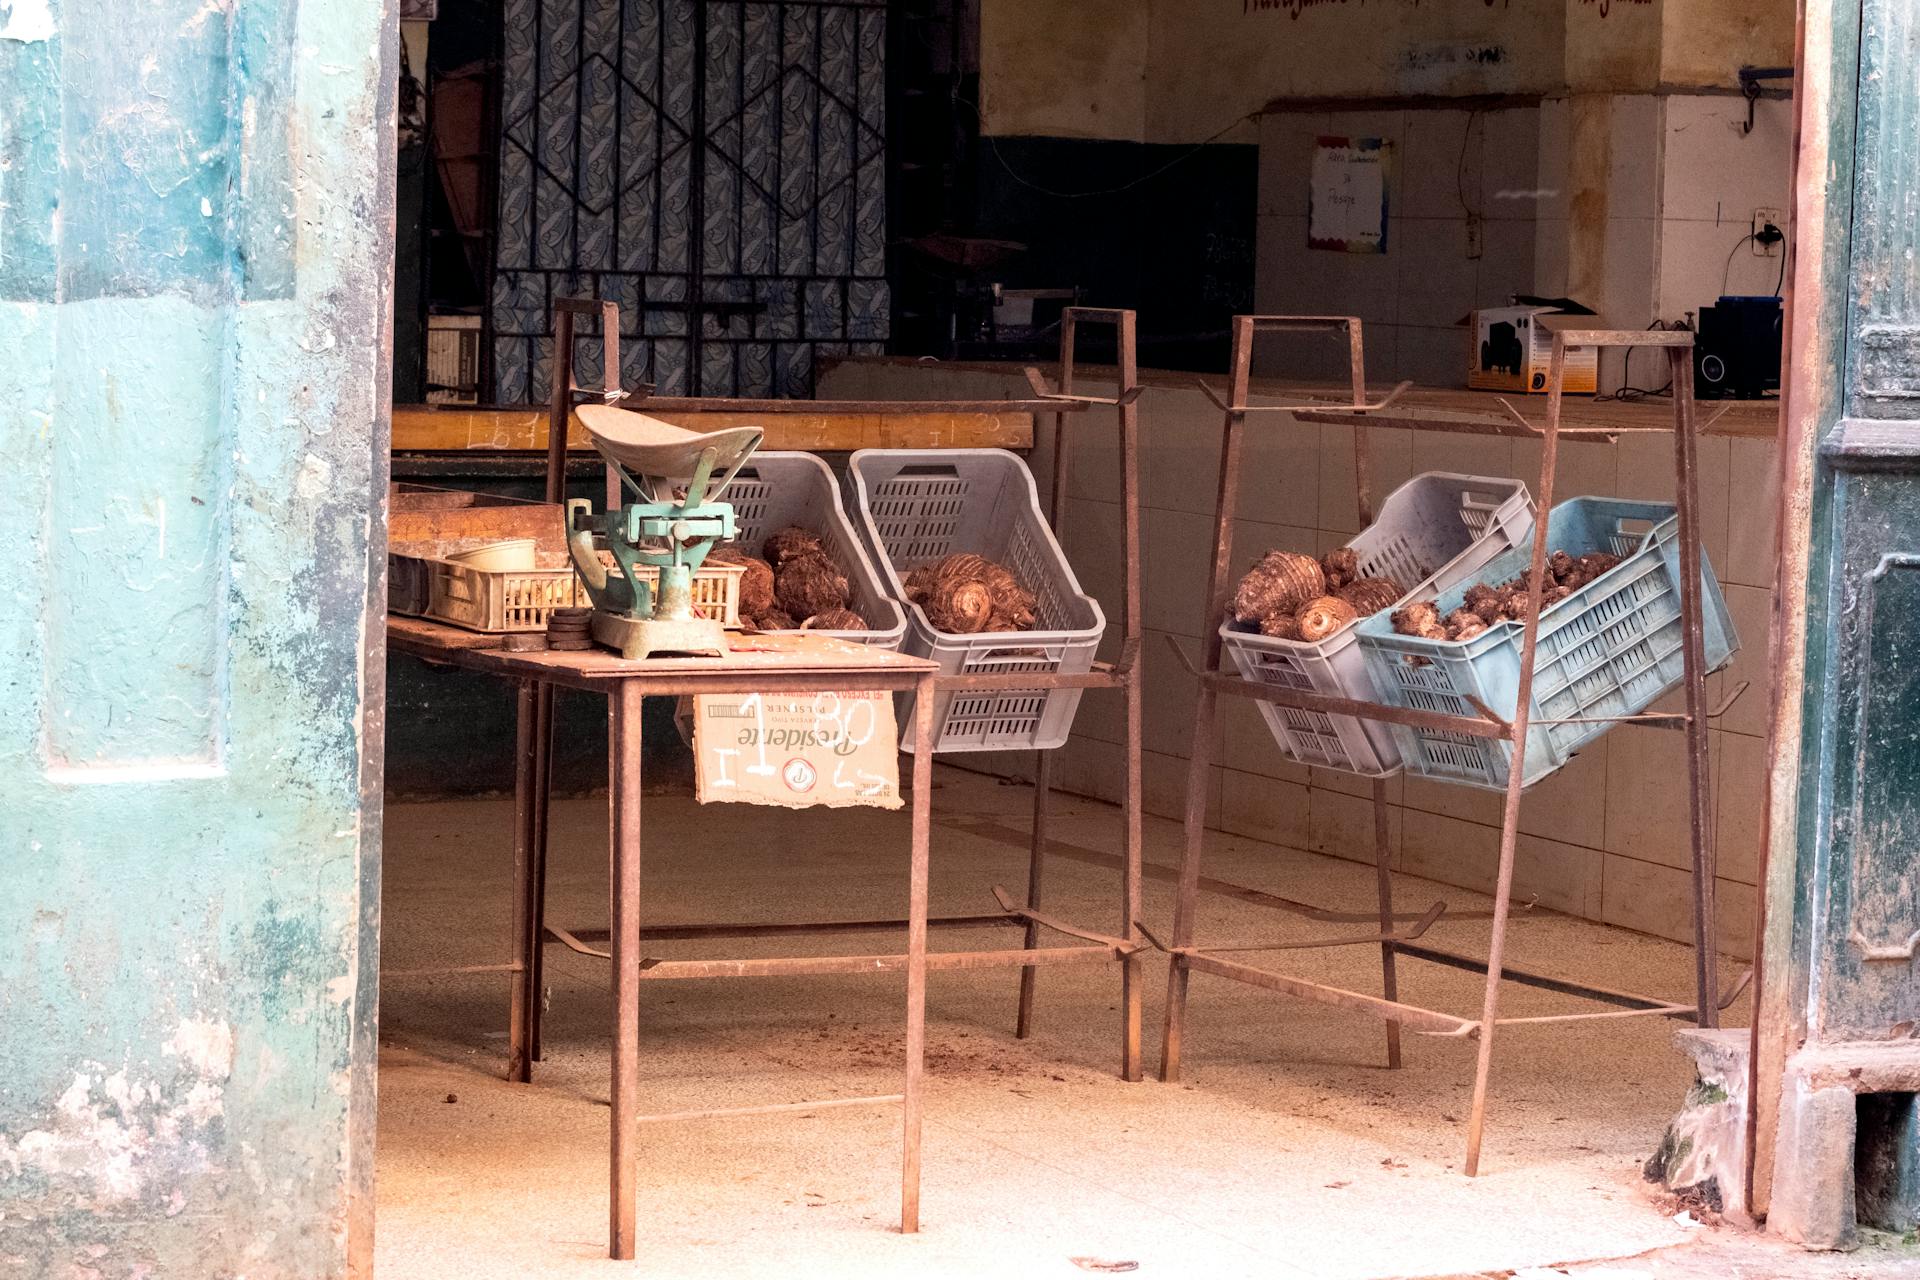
(1475, 244)
(1762, 219)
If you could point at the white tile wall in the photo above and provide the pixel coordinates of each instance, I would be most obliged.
(1604, 838)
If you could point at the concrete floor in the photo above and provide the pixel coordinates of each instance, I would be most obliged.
(1288, 1150)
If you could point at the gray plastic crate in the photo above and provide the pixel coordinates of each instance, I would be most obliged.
(777, 489)
(1434, 531)
(916, 505)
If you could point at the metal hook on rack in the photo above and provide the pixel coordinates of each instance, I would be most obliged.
(1040, 392)
(1750, 78)
(1317, 406)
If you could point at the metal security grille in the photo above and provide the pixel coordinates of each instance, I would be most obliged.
(716, 167)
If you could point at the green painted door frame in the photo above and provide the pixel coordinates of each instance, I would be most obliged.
(1842, 880)
(196, 234)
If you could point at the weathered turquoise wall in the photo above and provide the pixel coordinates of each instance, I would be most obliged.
(195, 253)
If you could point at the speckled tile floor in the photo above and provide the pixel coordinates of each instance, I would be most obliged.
(1287, 1150)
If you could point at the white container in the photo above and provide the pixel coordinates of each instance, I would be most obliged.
(778, 489)
(1436, 530)
(513, 555)
(917, 505)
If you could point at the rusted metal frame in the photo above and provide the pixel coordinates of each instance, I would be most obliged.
(1543, 981)
(1414, 419)
(1412, 717)
(1705, 944)
(1199, 756)
(1058, 925)
(624, 758)
(1516, 766)
(919, 874)
(781, 928)
(722, 404)
(824, 680)
(520, 1000)
(1412, 1017)
(772, 1109)
(657, 969)
(1386, 937)
(536, 866)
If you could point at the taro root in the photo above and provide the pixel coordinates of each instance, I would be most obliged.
(1554, 595)
(1470, 626)
(1369, 595)
(1417, 618)
(1595, 563)
(1560, 565)
(756, 584)
(1322, 617)
(1281, 582)
(1484, 601)
(808, 584)
(1341, 567)
(835, 620)
(791, 543)
(1281, 626)
(774, 620)
(966, 593)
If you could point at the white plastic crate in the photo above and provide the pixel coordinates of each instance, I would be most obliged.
(778, 489)
(1434, 531)
(917, 505)
(498, 602)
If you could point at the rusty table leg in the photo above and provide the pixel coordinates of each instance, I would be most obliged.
(537, 867)
(1186, 896)
(519, 1006)
(623, 806)
(1383, 873)
(1693, 629)
(1130, 905)
(1036, 864)
(917, 957)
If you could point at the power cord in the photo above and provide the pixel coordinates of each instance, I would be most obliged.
(1628, 393)
(1769, 235)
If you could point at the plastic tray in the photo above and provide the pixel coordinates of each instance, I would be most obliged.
(1434, 531)
(916, 505)
(775, 490)
(1609, 650)
(501, 602)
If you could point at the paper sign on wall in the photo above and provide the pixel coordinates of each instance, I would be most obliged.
(796, 750)
(1347, 195)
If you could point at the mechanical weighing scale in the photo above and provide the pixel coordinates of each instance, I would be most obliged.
(676, 521)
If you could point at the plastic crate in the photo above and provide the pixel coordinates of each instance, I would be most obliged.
(1610, 649)
(916, 505)
(1434, 531)
(502, 602)
(775, 490)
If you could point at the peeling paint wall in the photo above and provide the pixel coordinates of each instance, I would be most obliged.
(195, 250)
(1069, 68)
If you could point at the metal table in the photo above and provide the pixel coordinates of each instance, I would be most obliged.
(768, 664)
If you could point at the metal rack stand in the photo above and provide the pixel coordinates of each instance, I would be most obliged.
(1187, 957)
(1125, 946)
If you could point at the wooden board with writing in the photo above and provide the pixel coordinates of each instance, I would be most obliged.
(796, 750)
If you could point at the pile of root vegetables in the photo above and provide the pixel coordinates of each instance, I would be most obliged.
(1292, 596)
(1486, 605)
(793, 584)
(968, 594)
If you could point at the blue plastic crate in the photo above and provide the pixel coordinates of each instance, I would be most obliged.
(1610, 649)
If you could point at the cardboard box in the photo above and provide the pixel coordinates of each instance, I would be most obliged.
(1508, 349)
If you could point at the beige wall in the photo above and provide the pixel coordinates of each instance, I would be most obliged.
(1181, 70)
(1604, 839)
(1064, 68)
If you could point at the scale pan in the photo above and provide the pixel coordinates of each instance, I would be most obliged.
(649, 447)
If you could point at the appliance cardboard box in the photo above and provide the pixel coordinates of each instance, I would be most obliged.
(1509, 347)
